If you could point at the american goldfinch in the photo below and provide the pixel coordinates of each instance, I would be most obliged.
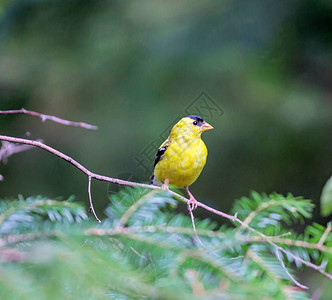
(182, 157)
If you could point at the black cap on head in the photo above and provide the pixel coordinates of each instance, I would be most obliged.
(196, 118)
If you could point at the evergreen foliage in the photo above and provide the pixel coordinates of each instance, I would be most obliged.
(49, 249)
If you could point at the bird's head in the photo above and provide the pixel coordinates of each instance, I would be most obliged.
(190, 127)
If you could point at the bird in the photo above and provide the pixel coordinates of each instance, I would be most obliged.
(181, 158)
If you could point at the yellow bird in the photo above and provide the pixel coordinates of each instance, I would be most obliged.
(182, 157)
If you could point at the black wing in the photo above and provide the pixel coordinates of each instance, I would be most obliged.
(160, 153)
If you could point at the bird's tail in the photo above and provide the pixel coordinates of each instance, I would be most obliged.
(153, 180)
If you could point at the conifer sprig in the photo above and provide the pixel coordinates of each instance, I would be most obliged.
(145, 248)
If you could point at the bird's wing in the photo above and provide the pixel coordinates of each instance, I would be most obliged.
(161, 151)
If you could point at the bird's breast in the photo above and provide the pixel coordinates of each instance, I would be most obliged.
(182, 162)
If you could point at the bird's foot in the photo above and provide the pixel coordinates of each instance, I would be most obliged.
(192, 203)
(165, 186)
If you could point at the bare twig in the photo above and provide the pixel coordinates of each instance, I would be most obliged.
(44, 117)
(209, 233)
(8, 149)
(91, 209)
(91, 175)
(307, 263)
(290, 242)
(194, 227)
(287, 272)
(78, 165)
(304, 262)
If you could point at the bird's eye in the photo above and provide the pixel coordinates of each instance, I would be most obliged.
(195, 122)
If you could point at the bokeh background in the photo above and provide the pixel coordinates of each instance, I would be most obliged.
(263, 69)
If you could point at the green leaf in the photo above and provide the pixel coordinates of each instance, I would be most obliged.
(326, 199)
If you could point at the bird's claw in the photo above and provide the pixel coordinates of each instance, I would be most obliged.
(164, 187)
(192, 203)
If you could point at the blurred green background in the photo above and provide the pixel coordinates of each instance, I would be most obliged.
(133, 67)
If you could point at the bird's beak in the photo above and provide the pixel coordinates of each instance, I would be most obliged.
(206, 126)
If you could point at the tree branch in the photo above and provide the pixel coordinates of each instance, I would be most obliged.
(91, 209)
(44, 117)
(8, 149)
(295, 243)
(91, 175)
(194, 226)
(278, 256)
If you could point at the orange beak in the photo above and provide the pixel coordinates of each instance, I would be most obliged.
(206, 126)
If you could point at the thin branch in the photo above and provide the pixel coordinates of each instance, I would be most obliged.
(324, 236)
(194, 226)
(237, 220)
(153, 229)
(287, 272)
(209, 233)
(91, 209)
(8, 149)
(307, 263)
(304, 262)
(78, 165)
(290, 242)
(91, 175)
(44, 117)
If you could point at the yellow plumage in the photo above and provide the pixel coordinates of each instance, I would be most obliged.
(182, 157)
